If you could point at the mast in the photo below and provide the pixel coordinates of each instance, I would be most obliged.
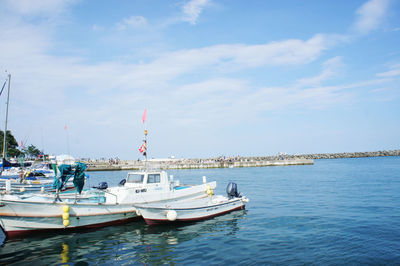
(143, 149)
(145, 152)
(5, 128)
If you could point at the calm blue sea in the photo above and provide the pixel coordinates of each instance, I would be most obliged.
(335, 212)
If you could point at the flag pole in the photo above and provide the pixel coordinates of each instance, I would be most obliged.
(145, 155)
(145, 137)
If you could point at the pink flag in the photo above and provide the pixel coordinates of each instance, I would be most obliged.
(22, 145)
(144, 115)
(65, 128)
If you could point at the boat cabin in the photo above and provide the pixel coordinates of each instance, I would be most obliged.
(150, 180)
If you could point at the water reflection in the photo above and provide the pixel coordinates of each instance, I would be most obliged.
(132, 243)
(65, 253)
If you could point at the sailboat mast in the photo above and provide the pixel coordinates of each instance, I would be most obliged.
(5, 128)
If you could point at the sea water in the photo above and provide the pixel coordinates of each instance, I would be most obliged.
(337, 211)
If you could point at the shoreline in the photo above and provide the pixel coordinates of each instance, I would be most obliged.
(231, 162)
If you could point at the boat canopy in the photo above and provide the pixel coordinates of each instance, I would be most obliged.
(65, 173)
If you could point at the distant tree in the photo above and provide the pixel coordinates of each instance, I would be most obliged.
(32, 151)
(12, 144)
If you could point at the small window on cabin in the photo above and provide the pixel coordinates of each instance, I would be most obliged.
(135, 178)
(153, 178)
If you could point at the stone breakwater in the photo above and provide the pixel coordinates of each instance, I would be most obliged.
(194, 164)
(230, 162)
(351, 154)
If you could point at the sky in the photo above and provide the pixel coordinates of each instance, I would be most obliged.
(216, 77)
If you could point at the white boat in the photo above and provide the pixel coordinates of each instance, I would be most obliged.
(39, 176)
(28, 213)
(33, 170)
(151, 186)
(39, 168)
(191, 210)
(31, 186)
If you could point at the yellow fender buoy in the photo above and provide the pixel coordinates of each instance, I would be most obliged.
(209, 191)
(66, 223)
(65, 208)
(65, 215)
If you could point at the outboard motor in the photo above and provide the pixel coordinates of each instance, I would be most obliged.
(231, 190)
(102, 185)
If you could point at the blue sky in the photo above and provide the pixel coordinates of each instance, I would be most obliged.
(230, 78)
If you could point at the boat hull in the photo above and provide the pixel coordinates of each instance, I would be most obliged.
(21, 218)
(158, 215)
(31, 186)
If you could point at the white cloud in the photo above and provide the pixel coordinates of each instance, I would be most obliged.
(231, 58)
(132, 22)
(96, 27)
(38, 7)
(370, 16)
(55, 78)
(391, 73)
(331, 68)
(193, 9)
(395, 71)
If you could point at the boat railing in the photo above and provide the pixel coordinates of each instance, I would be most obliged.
(94, 196)
(112, 194)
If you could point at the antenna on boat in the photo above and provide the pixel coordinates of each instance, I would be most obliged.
(145, 151)
(5, 129)
(143, 148)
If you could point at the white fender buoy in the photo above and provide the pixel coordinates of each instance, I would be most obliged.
(244, 199)
(138, 213)
(172, 215)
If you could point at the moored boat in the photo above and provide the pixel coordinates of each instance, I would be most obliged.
(194, 209)
(22, 214)
(31, 186)
(38, 176)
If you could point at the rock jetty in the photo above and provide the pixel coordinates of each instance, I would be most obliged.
(195, 164)
(230, 162)
(351, 154)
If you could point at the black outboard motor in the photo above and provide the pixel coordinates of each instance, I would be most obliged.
(102, 185)
(231, 190)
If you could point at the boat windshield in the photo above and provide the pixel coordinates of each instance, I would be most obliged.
(153, 178)
(135, 178)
